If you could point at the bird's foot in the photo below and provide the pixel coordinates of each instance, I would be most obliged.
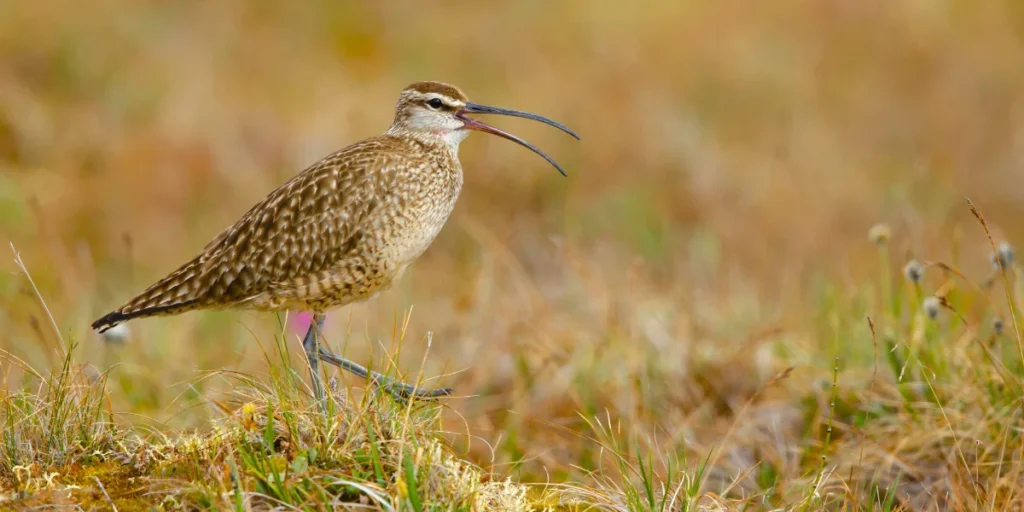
(401, 391)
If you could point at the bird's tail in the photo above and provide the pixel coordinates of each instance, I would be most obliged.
(176, 293)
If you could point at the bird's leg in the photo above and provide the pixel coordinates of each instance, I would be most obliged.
(312, 349)
(398, 389)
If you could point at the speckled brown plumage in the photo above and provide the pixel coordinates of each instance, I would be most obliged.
(341, 230)
(336, 233)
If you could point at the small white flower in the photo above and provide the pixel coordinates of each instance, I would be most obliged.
(879, 234)
(116, 334)
(932, 306)
(913, 271)
(1003, 256)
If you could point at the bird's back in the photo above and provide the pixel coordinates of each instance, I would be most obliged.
(335, 233)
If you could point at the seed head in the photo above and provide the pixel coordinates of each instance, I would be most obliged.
(997, 325)
(116, 334)
(879, 234)
(913, 271)
(1003, 256)
(932, 306)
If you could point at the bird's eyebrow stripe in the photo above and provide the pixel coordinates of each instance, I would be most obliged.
(448, 101)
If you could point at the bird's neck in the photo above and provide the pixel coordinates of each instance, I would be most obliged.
(448, 140)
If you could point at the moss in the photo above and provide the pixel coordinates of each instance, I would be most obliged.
(128, 489)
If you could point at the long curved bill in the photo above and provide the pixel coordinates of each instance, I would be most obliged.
(473, 124)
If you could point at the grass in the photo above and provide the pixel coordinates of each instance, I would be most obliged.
(932, 424)
(693, 320)
(271, 448)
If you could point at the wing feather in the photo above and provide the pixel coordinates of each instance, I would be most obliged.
(300, 230)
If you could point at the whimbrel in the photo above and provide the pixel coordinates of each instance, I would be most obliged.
(340, 231)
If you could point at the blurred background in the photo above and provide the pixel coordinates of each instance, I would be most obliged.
(734, 155)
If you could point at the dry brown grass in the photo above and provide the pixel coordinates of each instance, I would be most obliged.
(667, 318)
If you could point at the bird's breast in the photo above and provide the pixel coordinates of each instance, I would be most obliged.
(420, 209)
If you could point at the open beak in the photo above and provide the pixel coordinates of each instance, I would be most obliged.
(473, 124)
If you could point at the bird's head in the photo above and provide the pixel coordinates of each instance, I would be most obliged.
(441, 111)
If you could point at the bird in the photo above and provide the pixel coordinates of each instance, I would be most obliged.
(340, 231)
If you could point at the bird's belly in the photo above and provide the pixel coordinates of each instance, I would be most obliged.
(416, 235)
(417, 243)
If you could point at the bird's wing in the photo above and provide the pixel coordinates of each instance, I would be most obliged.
(303, 227)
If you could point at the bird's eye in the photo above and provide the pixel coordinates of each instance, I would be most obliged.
(435, 103)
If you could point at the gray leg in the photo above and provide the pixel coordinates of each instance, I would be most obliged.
(312, 349)
(398, 389)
